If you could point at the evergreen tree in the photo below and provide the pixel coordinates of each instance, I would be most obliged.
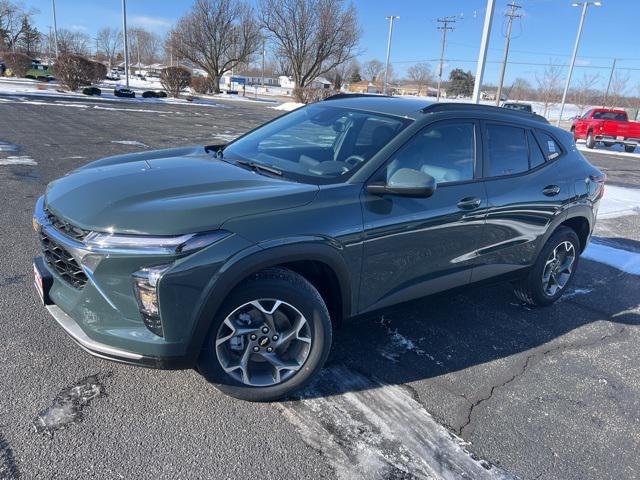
(460, 83)
(355, 76)
(29, 40)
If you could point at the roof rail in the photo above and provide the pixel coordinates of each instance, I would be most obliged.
(454, 106)
(338, 96)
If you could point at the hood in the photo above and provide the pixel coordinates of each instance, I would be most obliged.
(168, 192)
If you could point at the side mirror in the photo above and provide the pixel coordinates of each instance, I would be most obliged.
(406, 182)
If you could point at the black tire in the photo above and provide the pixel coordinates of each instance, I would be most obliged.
(590, 140)
(530, 289)
(629, 148)
(294, 289)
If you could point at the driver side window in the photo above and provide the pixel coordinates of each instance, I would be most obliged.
(446, 151)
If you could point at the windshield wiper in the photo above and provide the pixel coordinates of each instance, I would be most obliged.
(259, 167)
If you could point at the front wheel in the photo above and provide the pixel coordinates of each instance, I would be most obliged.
(590, 140)
(553, 270)
(271, 336)
(629, 148)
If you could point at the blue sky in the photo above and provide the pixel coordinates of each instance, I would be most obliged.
(546, 32)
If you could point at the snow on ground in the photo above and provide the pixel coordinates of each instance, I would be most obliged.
(616, 150)
(619, 202)
(288, 106)
(624, 260)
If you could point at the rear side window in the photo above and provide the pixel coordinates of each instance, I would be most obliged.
(508, 150)
(536, 156)
(550, 147)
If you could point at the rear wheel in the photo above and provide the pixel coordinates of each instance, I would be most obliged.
(270, 337)
(590, 140)
(629, 148)
(553, 271)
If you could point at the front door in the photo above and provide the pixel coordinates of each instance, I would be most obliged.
(418, 246)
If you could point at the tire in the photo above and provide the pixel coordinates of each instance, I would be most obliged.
(265, 382)
(573, 132)
(629, 148)
(531, 288)
(590, 141)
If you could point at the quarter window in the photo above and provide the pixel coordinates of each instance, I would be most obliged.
(445, 151)
(508, 150)
(535, 154)
(549, 145)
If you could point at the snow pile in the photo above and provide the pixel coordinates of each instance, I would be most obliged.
(619, 201)
(624, 260)
(288, 106)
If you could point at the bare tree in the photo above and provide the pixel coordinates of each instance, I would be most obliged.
(18, 63)
(175, 79)
(315, 36)
(584, 93)
(372, 69)
(342, 73)
(420, 74)
(109, 41)
(618, 89)
(12, 23)
(549, 86)
(217, 35)
(73, 42)
(520, 89)
(144, 46)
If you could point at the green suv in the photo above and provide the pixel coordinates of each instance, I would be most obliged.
(240, 259)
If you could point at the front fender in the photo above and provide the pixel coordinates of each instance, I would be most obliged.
(258, 257)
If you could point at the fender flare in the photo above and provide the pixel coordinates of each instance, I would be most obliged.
(255, 259)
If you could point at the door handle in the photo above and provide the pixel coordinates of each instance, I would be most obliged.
(469, 203)
(551, 190)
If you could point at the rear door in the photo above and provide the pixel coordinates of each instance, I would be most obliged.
(526, 190)
(418, 246)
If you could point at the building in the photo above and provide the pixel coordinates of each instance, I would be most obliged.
(365, 86)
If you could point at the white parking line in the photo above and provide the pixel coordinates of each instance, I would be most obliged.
(19, 160)
(619, 201)
(368, 430)
(624, 260)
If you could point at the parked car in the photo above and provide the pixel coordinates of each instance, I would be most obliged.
(161, 94)
(523, 107)
(242, 258)
(92, 91)
(149, 94)
(124, 92)
(609, 126)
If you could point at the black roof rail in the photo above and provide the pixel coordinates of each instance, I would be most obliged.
(454, 106)
(338, 96)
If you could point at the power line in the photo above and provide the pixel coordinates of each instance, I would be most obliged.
(444, 28)
(510, 15)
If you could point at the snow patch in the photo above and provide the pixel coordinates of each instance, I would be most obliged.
(619, 201)
(624, 260)
(19, 160)
(368, 430)
(399, 345)
(288, 106)
(130, 142)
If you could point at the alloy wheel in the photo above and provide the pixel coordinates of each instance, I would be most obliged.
(558, 268)
(263, 342)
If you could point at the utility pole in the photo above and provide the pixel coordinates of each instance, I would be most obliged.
(584, 6)
(391, 18)
(444, 27)
(484, 46)
(511, 15)
(263, 55)
(55, 26)
(126, 42)
(613, 70)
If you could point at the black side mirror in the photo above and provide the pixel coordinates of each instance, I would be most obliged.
(406, 182)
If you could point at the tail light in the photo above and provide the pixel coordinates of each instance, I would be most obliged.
(600, 180)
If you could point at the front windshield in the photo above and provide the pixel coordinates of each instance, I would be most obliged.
(317, 143)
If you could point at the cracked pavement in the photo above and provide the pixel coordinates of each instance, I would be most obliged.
(543, 393)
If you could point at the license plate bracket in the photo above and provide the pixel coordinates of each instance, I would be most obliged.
(42, 280)
(620, 138)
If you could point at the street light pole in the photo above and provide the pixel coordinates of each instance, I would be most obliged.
(55, 26)
(126, 43)
(584, 6)
(484, 46)
(391, 18)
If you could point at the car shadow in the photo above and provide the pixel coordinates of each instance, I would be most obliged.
(446, 333)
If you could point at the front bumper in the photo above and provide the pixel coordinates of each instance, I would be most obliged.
(101, 350)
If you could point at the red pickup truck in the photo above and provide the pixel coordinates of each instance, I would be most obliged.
(607, 126)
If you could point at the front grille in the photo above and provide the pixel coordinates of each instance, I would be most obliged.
(62, 262)
(65, 227)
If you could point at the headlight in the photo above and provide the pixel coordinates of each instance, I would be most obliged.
(155, 245)
(145, 287)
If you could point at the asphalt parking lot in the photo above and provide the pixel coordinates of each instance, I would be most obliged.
(548, 393)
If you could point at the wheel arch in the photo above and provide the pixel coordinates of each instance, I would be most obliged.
(312, 259)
